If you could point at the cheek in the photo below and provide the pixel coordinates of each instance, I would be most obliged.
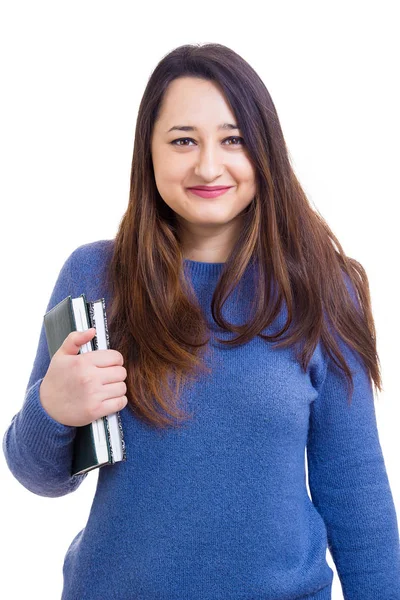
(171, 171)
(243, 170)
(247, 179)
(252, 185)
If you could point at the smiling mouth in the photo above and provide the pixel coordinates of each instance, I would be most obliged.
(209, 188)
(207, 193)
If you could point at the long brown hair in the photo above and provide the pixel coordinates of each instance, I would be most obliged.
(155, 321)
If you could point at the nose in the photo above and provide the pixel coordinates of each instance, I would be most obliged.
(210, 163)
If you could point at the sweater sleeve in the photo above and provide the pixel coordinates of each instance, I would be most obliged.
(349, 484)
(38, 449)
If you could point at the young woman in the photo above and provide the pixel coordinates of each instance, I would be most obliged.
(242, 337)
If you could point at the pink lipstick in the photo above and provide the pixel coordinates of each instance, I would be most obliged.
(209, 192)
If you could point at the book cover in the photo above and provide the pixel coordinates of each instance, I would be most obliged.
(93, 443)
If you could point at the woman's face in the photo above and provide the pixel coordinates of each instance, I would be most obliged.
(206, 155)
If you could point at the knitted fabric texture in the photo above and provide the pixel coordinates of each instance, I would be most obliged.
(218, 509)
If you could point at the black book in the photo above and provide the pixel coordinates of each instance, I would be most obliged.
(101, 442)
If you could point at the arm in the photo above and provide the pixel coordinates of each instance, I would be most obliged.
(38, 449)
(350, 487)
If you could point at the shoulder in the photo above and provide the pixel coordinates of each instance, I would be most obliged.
(88, 264)
(93, 250)
(92, 255)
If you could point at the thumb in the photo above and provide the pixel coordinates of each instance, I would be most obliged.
(75, 340)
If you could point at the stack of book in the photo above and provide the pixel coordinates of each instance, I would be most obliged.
(101, 442)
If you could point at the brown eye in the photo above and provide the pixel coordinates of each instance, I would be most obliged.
(174, 142)
(237, 138)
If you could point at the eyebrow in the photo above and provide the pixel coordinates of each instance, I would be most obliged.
(190, 128)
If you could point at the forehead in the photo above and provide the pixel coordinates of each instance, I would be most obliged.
(194, 102)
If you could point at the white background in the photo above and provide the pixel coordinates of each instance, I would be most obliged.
(72, 78)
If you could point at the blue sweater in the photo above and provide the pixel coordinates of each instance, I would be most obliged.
(218, 509)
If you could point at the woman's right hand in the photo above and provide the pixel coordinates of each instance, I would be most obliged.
(81, 388)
